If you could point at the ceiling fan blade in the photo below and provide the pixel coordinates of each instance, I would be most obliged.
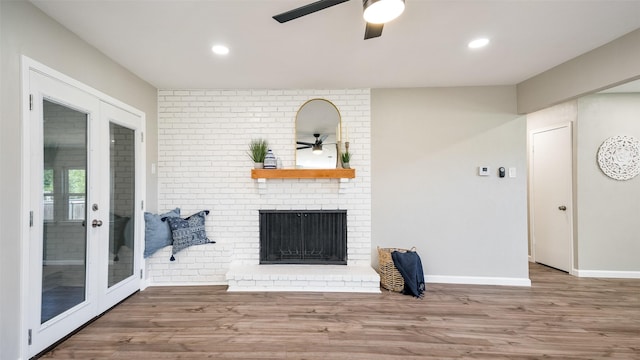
(322, 138)
(372, 31)
(304, 147)
(306, 10)
(304, 143)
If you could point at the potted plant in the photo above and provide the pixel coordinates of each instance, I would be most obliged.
(257, 151)
(345, 157)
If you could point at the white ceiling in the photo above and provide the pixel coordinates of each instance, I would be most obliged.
(167, 43)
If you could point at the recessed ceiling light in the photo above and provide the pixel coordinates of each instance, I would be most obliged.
(220, 50)
(478, 43)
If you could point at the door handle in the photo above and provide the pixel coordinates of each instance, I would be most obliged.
(96, 223)
(562, 207)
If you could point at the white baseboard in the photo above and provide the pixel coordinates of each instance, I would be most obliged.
(477, 280)
(214, 283)
(434, 279)
(607, 274)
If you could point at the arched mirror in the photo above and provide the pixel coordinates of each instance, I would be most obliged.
(317, 132)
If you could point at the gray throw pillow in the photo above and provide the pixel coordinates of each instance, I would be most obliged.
(187, 232)
(157, 233)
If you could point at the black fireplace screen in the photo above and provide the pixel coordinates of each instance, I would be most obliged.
(303, 237)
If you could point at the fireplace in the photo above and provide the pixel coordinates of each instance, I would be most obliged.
(303, 237)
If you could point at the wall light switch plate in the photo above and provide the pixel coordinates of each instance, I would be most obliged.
(483, 170)
(512, 172)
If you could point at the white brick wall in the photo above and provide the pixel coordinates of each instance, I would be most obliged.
(203, 138)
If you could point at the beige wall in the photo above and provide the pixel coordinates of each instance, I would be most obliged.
(608, 230)
(610, 64)
(596, 241)
(427, 145)
(25, 30)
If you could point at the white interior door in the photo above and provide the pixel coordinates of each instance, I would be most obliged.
(552, 197)
(83, 253)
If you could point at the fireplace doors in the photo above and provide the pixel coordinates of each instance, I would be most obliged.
(303, 237)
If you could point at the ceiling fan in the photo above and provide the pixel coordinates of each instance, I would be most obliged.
(316, 146)
(376, 13)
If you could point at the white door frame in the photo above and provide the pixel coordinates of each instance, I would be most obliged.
(570, 204)
(28, 65)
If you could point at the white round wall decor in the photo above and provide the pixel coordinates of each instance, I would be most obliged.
(619, 157)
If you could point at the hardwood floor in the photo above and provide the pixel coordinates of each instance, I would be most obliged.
(559, 317)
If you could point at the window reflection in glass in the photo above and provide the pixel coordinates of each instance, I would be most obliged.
(64, 191)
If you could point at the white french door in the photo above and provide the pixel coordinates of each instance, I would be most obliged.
(85, 210)
(120, 265)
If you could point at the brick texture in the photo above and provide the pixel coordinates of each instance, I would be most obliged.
(203, 138)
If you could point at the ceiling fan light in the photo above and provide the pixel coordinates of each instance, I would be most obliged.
(316, 149)
(382, 11)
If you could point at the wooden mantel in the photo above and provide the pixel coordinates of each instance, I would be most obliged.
(303, 173)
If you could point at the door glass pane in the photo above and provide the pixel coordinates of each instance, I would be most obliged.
(121, 219)
(63, 211)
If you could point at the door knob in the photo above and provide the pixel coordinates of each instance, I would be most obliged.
(96, 223)
(562, 207)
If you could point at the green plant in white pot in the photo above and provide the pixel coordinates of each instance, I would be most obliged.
(257, 151)
(345, 157)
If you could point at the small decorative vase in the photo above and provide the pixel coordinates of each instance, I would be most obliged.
(346, 165)
(270, 161)
(258, 165)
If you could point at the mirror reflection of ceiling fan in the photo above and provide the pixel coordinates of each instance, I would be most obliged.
(376, 13)
(316, 147)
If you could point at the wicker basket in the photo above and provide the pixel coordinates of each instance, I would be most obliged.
(390, 278)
